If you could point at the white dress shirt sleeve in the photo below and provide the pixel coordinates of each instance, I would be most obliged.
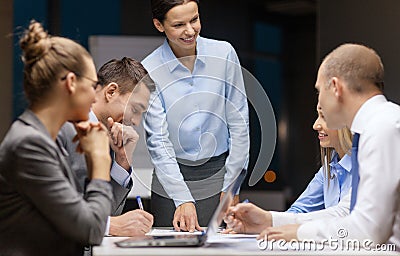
(120, 175)
(107, 232)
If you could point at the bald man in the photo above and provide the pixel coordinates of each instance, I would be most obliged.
(350, 84)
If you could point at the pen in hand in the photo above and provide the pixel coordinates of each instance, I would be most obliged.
(139, 201)
(231, 215)
(245, 201)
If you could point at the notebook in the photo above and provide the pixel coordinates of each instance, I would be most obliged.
(189, 239)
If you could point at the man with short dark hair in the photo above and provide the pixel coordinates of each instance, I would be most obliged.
(121, 99)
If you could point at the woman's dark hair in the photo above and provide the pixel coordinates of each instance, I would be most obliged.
(159, 8)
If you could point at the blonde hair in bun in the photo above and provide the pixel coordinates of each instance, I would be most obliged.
(46, 59)
(35, 43)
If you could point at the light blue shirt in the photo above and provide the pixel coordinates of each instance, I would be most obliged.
(117, 172)
(318, 195)
(196, 115)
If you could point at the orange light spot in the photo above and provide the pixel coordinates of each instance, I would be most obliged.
(270, 176)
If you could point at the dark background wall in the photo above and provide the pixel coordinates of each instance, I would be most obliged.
(277, 45)
(281, 42)
(371, 22)
(6, 70)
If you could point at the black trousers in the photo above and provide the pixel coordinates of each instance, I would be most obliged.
(204, 180)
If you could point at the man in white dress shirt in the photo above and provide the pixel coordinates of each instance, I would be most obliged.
(121, 98)
(350, 84)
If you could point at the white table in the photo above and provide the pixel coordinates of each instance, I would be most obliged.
(242, 247)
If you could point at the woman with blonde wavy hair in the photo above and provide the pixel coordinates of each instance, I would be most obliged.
(42, 213)
(345, 139)
(328, 193)
(333, 181)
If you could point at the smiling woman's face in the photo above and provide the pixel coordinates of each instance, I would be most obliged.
(182, 27)
(327, 137)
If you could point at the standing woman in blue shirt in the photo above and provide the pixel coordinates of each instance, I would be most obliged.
(197, 122)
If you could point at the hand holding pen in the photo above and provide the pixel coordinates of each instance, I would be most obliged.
(247, 218)
(131, 223)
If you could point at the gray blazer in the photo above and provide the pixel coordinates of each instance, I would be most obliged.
(41, 211)
(78, 165)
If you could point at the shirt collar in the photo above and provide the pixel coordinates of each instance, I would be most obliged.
(170, 59)
(344, 163)
(364, 113)
(201, 51)
(92, 116)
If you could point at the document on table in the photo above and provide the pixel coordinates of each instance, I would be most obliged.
(231, 238)
(171, 232)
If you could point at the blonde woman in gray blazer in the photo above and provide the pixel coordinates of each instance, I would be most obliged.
(41, 211)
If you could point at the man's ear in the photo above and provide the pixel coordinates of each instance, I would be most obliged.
(159, 26)
(70, 82)
(337, 87)
(111, 91)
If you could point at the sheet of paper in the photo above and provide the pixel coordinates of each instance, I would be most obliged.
(170, 232)
(231, 238)
(235, 236)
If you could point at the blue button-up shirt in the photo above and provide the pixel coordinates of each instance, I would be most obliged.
(318, 195)
(196, 115)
